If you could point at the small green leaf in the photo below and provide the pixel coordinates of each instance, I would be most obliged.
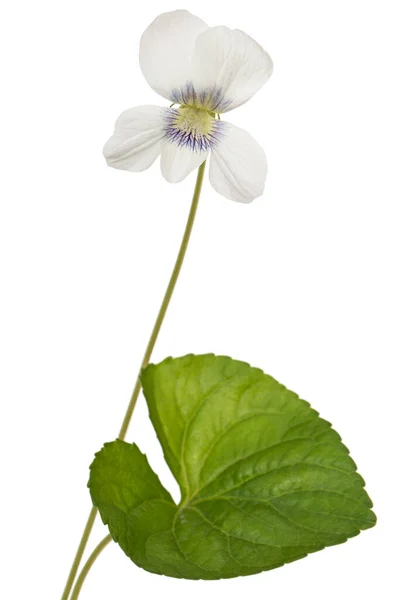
(264, 480)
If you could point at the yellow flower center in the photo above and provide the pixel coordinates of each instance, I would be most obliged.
(193, 128)
(195, 121)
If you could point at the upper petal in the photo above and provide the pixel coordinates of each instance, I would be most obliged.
(136, 141)
(229, 64)
(238, 166)
(166, 48)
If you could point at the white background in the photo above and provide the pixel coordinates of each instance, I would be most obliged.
(302, 283)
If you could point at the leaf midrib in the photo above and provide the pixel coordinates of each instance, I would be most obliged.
(203, 399)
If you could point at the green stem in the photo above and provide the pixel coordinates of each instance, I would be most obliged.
(79, 553)
(87, 566)
(136, 390)
(166, 299)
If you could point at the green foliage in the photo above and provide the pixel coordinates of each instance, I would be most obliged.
(264, 480)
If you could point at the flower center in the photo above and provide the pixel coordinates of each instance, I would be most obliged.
(195, 128)
(195, 121)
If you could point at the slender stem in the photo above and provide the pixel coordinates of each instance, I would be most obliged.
(136, 390)
(166, 299)
(87, 566)
(79, 553)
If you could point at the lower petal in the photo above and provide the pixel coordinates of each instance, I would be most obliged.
(137, 139)
(238, 167)
(178, 161)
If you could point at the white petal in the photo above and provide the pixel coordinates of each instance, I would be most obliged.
(178, 161)
(166, 48)
(238, 166)
(230, 63)
(137, 139)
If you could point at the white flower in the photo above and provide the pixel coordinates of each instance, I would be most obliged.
(206, 71)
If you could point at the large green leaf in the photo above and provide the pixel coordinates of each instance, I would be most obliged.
(264, 480)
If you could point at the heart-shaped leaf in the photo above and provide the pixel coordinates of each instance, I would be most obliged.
(264, 480)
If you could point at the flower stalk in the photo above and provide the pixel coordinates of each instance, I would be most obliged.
(135, 394)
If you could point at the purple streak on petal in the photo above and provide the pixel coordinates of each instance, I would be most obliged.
(189, 139)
